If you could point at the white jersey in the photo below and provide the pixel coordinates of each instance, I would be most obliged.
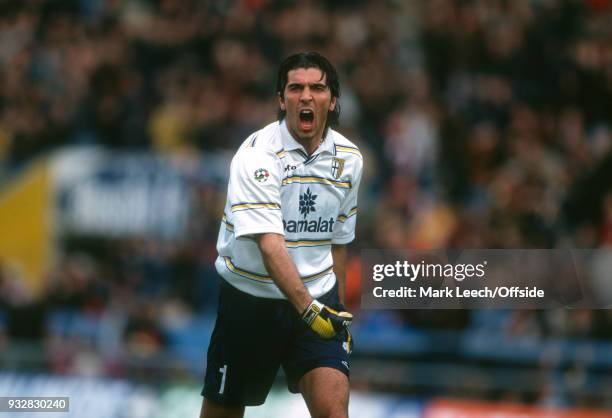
(274, 186)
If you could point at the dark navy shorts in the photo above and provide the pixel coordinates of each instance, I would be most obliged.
(253, 337)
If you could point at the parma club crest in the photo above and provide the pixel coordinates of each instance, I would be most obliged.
(337, 167)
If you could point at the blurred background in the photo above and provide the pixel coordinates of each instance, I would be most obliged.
(483, 124)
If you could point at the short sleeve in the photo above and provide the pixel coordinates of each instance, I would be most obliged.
(344, 232)
(254, 193)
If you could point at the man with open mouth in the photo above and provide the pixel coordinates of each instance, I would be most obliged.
(290, 211)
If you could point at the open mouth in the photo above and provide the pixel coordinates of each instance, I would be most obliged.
(306, 119)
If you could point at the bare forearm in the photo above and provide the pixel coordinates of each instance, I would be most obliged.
(281, 267)
(339, 256)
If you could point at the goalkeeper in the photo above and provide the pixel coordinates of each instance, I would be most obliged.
(290, 211)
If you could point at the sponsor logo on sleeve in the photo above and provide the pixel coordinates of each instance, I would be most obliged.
(261, 175)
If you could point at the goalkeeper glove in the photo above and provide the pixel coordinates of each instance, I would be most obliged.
(324, 320)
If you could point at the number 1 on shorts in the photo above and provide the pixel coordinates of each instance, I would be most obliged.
(223, 371)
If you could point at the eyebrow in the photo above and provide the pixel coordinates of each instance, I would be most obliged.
(298, 84)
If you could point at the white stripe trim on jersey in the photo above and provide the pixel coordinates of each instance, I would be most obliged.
(343, 217)
(229, 226)
(267, 279)
(297, 243)
(350, 150)
(316, 180)
(293, 243)
(254, 205)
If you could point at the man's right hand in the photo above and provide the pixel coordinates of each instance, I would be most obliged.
(326, 321)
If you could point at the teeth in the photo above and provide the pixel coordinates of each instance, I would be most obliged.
(306, 115)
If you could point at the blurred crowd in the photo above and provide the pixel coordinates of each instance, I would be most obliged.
(483, 124)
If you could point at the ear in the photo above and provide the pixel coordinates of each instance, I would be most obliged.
(332, 104)
(281, 102)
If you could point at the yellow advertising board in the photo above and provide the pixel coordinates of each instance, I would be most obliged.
(25, 224)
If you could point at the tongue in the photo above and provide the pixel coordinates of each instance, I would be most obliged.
(306, 125)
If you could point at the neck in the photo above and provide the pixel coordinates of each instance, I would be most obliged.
(311, 145)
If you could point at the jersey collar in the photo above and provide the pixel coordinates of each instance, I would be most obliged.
(290, 144)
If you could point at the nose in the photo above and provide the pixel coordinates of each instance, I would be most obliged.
(306, 95)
